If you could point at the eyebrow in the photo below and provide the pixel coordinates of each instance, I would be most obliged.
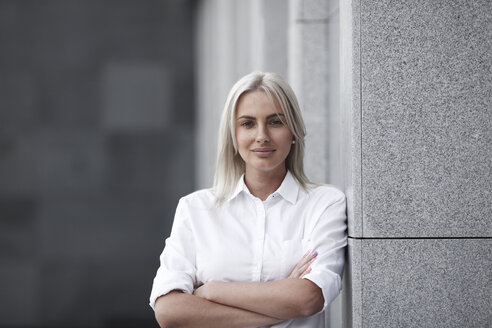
(253, 118)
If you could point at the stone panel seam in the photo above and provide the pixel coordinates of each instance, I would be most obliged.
(421, 238)
(360, 118)
(361, 289)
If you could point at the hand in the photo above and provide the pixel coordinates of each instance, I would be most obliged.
(204, 290)
(200, 291)
(303, 266)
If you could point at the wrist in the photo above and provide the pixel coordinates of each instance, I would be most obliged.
(208, 290)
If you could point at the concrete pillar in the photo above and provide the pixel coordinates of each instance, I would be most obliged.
(416, 98)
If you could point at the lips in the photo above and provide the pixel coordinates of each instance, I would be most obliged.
(263, 152)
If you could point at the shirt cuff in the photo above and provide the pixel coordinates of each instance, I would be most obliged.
(329, 282)
(169, 281)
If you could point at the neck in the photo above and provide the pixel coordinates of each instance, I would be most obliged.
(263, 184)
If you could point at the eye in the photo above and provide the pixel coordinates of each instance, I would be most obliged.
(276, 122)
(247, 124)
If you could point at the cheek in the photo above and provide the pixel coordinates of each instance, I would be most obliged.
(243, 139)
(240, 147)
(285, 139)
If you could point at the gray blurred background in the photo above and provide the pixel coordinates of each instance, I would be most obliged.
(96, 147)
(109, 113)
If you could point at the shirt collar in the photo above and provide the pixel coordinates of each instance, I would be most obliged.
(289, 188)
(241, 186)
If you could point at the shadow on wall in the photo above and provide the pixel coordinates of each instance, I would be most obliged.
(96, 147)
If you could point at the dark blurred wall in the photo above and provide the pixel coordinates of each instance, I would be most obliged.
(96, 147)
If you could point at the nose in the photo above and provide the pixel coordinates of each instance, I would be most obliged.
(262, 135)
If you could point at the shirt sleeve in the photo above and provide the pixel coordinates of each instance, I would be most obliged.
(177, 261)
(328, 237)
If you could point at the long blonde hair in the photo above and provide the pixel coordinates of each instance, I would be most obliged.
(230, 166)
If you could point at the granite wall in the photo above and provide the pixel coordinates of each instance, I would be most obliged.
(416, 95)
(96, 147)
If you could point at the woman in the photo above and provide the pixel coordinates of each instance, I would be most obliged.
(264, 246)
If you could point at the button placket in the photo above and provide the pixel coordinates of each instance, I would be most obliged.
(259, 240)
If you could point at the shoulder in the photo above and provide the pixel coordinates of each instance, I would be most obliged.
(325, 194)
(200, 199)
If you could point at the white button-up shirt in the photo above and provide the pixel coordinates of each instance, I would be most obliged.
(247, 239)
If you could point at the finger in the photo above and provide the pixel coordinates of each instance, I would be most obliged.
(306, 272)
(303, 260)
(307, 257)
(307, 253)
(300, 272)
(297, 271)
(306, 265)
(303, 264)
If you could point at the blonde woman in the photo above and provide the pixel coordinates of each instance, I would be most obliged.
(264, 246)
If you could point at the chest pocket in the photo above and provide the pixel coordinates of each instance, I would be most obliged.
(292, 252)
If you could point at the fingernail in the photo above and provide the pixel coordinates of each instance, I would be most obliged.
(314, 254)
(308, 270)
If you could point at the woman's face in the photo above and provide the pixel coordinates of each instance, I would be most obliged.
(262, 136)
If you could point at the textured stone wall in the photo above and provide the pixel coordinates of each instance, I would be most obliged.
(416, 95)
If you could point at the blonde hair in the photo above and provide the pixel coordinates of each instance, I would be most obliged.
(230, 166)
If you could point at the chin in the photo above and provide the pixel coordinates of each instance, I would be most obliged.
(267, 168)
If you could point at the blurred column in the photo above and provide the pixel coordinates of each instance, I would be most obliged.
(314, 75)
(234, 38)
(313, 65)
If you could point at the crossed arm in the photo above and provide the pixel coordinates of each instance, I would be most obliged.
(243, 304)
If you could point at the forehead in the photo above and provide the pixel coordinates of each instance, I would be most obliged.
(257, 103)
